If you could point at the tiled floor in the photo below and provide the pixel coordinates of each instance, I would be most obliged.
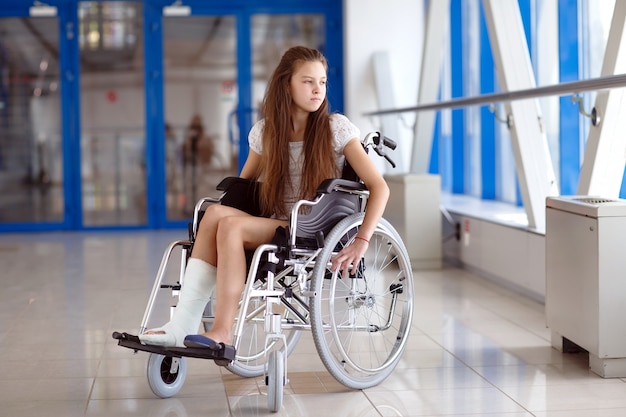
(475, 348)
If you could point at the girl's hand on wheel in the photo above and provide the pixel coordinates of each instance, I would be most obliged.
(347, 260)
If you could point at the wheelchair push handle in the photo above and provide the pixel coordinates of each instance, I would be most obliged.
(378, 142)
(390, 143)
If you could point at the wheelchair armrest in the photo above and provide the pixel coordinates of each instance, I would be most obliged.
(241, 193)
(237, 192)
(331, 184)
(229, 182)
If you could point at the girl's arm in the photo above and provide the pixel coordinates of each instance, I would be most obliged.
(375, 183)
(376, 203)
(251, 165)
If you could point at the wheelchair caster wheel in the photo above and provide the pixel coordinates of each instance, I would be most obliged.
(275, 380)
(166, 374)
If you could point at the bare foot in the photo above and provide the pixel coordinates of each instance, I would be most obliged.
(154, 331)
(166, 335)
(218, 337)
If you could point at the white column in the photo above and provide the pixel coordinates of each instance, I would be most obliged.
(386, 99)
(436, 35)
(605, 154)
(529, 142)
(396, 28)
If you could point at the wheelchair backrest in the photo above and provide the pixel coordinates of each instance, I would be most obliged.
(323, 216)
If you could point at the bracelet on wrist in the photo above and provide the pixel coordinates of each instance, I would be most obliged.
(362, 238)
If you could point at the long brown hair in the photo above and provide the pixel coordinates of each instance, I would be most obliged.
(318, 152)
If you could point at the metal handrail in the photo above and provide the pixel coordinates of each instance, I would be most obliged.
(572, 87)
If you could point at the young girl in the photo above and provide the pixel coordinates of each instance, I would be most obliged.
(293, 149)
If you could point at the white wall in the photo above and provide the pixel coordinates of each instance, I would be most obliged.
(511, 256)
(394, 26)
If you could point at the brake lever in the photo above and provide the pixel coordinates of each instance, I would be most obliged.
(393, 164)
(377, 141)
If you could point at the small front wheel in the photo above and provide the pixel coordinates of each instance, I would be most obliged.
(166, 374)
(275, 380)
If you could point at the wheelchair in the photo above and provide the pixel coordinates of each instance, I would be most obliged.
(360, 324)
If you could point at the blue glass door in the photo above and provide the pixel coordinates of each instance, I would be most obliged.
(31, 157)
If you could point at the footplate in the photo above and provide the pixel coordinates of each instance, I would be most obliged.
(223, 356)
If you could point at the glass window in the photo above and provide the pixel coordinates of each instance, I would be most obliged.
(31, 159)
(200, 67)
(272, 35)
(112, 114)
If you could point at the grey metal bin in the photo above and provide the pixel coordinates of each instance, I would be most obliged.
(586, 278)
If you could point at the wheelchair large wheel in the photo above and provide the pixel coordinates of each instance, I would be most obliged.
(251, 357)
(166, 375)
(361, 324)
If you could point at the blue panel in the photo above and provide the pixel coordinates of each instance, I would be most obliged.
(444, 151)
(458, 115)
(31, 227)
(526, 8)
(17, 8)
(569, 126)
(434, 166)
(69, 67)
(244, 82)
(334, 55)
(155, 124)
(487, 118)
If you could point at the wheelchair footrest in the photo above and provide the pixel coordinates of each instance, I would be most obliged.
(223, 356)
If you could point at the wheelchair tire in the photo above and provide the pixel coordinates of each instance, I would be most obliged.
(361, 324)
(275, 380)
(163, 382)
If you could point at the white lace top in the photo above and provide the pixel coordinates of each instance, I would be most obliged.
(343, 131)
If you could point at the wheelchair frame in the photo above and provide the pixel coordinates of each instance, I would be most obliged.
(370, 309)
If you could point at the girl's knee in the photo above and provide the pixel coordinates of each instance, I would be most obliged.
(210, 219)
(212, 211)
(228, 226)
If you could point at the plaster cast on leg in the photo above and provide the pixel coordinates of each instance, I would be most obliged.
(199, 282)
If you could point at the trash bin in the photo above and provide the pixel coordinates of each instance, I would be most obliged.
(586, 279)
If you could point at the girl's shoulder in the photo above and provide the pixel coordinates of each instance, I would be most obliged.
(255, 136)
(339, 119)
(343, 130)
(258, 126)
